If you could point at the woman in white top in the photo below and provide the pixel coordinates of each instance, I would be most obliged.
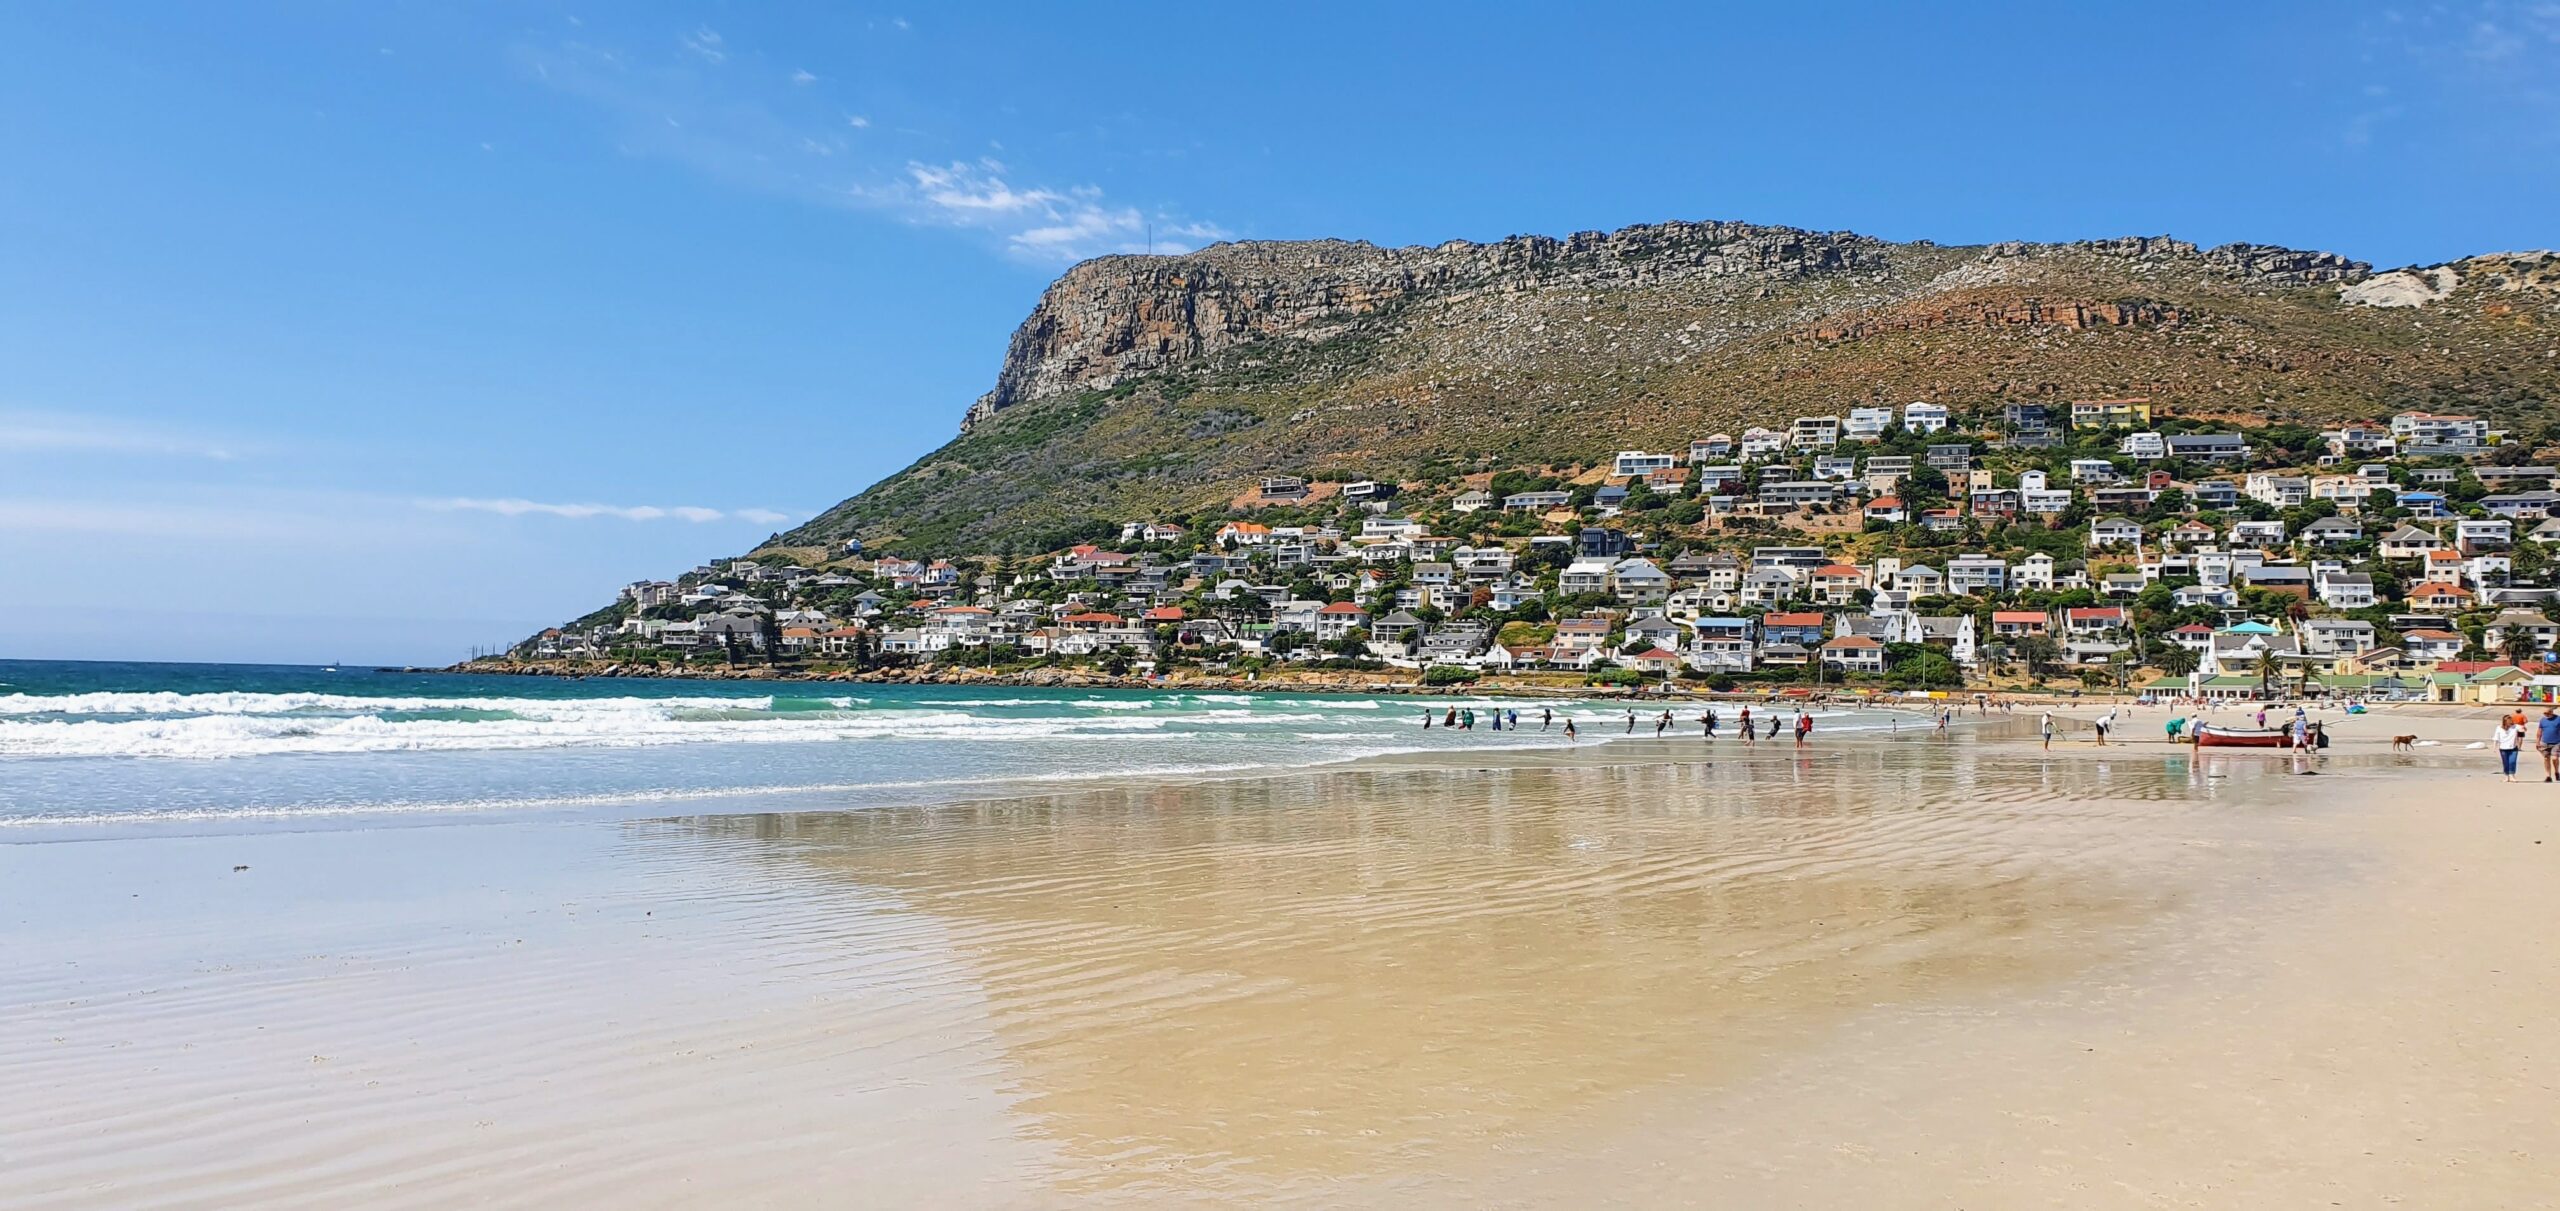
(2510, 739)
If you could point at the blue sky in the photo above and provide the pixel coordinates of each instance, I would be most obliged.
(373, 332)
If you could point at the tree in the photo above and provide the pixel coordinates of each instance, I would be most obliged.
(2040, 653)
(2267, 666)
(1923, 669)
(2517, 645)
(2177, 660)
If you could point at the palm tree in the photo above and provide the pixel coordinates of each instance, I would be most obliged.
(2267, 666)
(2517, 645)
(2176, 660)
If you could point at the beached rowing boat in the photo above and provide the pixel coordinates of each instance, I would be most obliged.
(2209, 735)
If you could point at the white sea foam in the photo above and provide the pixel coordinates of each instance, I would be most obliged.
(162, 703)
(617, 723)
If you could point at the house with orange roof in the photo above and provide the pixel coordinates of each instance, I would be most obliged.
(1837, 583)
(2018, 624)
(2439, 597)
(1854, 654)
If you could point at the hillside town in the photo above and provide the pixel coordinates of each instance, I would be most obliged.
(2102, 543)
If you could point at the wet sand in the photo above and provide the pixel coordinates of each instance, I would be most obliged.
(1891, 972)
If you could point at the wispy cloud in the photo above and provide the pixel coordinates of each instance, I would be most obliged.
(2481, 59)
(725, 111)
(56, 433)
(518, 507)
(706, 44)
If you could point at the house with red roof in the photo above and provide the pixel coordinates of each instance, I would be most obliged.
(2094, 620)
(1339, 619)
(1657, 661)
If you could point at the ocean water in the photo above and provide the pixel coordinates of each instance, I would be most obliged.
(92, 749)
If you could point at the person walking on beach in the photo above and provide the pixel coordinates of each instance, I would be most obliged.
(2048, 731)
(1546, 716)
(1710, 720)
(1497, 720)
(1631, 723)
(2510, 739)
(1568, 731)
(2549, 735)
(1515, 720)
(1451, 719)
(1661, 722)
(1426, 720)
(1774, 722)
(1804, 727)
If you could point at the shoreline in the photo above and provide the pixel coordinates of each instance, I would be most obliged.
(1288, 681)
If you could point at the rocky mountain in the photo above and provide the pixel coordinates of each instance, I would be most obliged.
(1147, 386)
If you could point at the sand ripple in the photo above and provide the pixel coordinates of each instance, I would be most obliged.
(1251, 989)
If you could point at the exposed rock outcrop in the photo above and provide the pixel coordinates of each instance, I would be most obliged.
(1118, 317)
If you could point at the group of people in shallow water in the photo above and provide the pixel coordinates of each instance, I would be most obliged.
(1464, 719)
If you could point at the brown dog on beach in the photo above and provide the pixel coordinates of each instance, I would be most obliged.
(2401, 744)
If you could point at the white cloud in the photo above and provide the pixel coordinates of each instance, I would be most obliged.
(54, 433)
(1046, 224)
(774, 131)
(519, 507)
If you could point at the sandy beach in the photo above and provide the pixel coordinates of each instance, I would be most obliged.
(1890, 971)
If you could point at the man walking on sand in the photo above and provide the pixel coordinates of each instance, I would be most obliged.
(2048, 731)
(2549, 736)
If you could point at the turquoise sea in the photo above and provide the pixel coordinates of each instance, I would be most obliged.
(106, 748)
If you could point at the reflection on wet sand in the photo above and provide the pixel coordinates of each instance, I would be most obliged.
(1258, 987)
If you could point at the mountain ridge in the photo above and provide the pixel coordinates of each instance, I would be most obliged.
(1159, 385)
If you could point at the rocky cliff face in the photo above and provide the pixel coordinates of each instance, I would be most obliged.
(1115, 318)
